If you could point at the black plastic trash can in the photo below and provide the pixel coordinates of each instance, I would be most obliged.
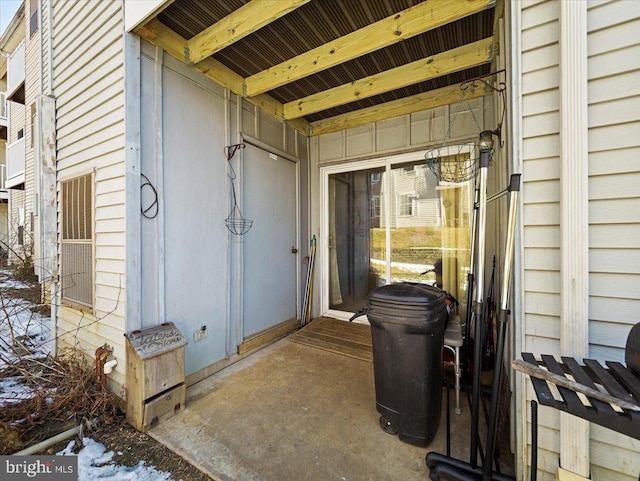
(408, 321)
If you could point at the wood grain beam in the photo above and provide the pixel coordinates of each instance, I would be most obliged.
(396, 108)
(238, 24)
(461, 58)
(498, 14)
(156, 33)
(396, 28)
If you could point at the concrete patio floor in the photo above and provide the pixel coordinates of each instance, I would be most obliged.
(292, 412)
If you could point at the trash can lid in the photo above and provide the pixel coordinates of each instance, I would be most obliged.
(408, 295)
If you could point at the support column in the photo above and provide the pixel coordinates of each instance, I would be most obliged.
(132, 160)
(574, 339)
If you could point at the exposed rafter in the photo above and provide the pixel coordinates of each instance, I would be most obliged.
(162, 36)
(242, 22)
(497, 46)
(454, 60)
(395, 28)
(395, 108)
(248, 20)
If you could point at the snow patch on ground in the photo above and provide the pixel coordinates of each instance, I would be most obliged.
(95, 463)
(26, 335)
(13, 390)
(7, 281)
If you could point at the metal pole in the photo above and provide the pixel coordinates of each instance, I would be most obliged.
(471, 280)
(534, 440)
(497, 195)
(485, 156)
(503, 314)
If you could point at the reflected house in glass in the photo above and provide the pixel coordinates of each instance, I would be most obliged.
(423, 221)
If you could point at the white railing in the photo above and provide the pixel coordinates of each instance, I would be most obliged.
(15, 69)
(15, 163)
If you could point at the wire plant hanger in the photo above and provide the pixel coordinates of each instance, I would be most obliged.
(235, 222)
(447, 165)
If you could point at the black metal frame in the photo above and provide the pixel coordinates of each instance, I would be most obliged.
(444, 465)
(618, 380)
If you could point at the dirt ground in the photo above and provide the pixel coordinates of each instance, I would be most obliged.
(131, 446)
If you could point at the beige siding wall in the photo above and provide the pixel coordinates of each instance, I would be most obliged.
(88, 83)
(45, 37)
(16, 197)
(32, 90)
(614, 204)
(22, 201)
(424, 129)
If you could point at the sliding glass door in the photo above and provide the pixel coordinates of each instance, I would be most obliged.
(391, 220)
(357, 244)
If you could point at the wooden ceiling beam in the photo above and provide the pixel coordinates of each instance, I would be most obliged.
(238, 24)
(461, 58)
(156, 33)
(497, 46)
(401, 26)
(395, 108)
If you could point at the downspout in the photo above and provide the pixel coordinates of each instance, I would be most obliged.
(50, 2)
(55, 282)
(37, 159)
(47, 443)
(41, 45)
(513, 16)
(55, 286)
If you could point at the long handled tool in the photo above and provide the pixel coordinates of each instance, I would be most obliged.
(471, 283)
(305, 313)
(312, 260)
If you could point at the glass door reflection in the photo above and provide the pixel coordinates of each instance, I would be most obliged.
(397, 223)
(357, 243)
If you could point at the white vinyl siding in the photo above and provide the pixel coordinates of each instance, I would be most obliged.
(88, 82)
(24, 199)
(614, 205)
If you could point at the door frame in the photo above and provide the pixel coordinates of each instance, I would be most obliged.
(323, 242)
(239, 324)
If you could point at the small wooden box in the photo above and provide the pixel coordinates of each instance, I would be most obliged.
(155, 375)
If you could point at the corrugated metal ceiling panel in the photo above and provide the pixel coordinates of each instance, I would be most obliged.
(319, 22)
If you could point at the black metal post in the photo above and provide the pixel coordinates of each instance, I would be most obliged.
(503, 315)
(534, 440)
(485, 156)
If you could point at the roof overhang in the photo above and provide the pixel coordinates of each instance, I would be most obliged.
(322, 65)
